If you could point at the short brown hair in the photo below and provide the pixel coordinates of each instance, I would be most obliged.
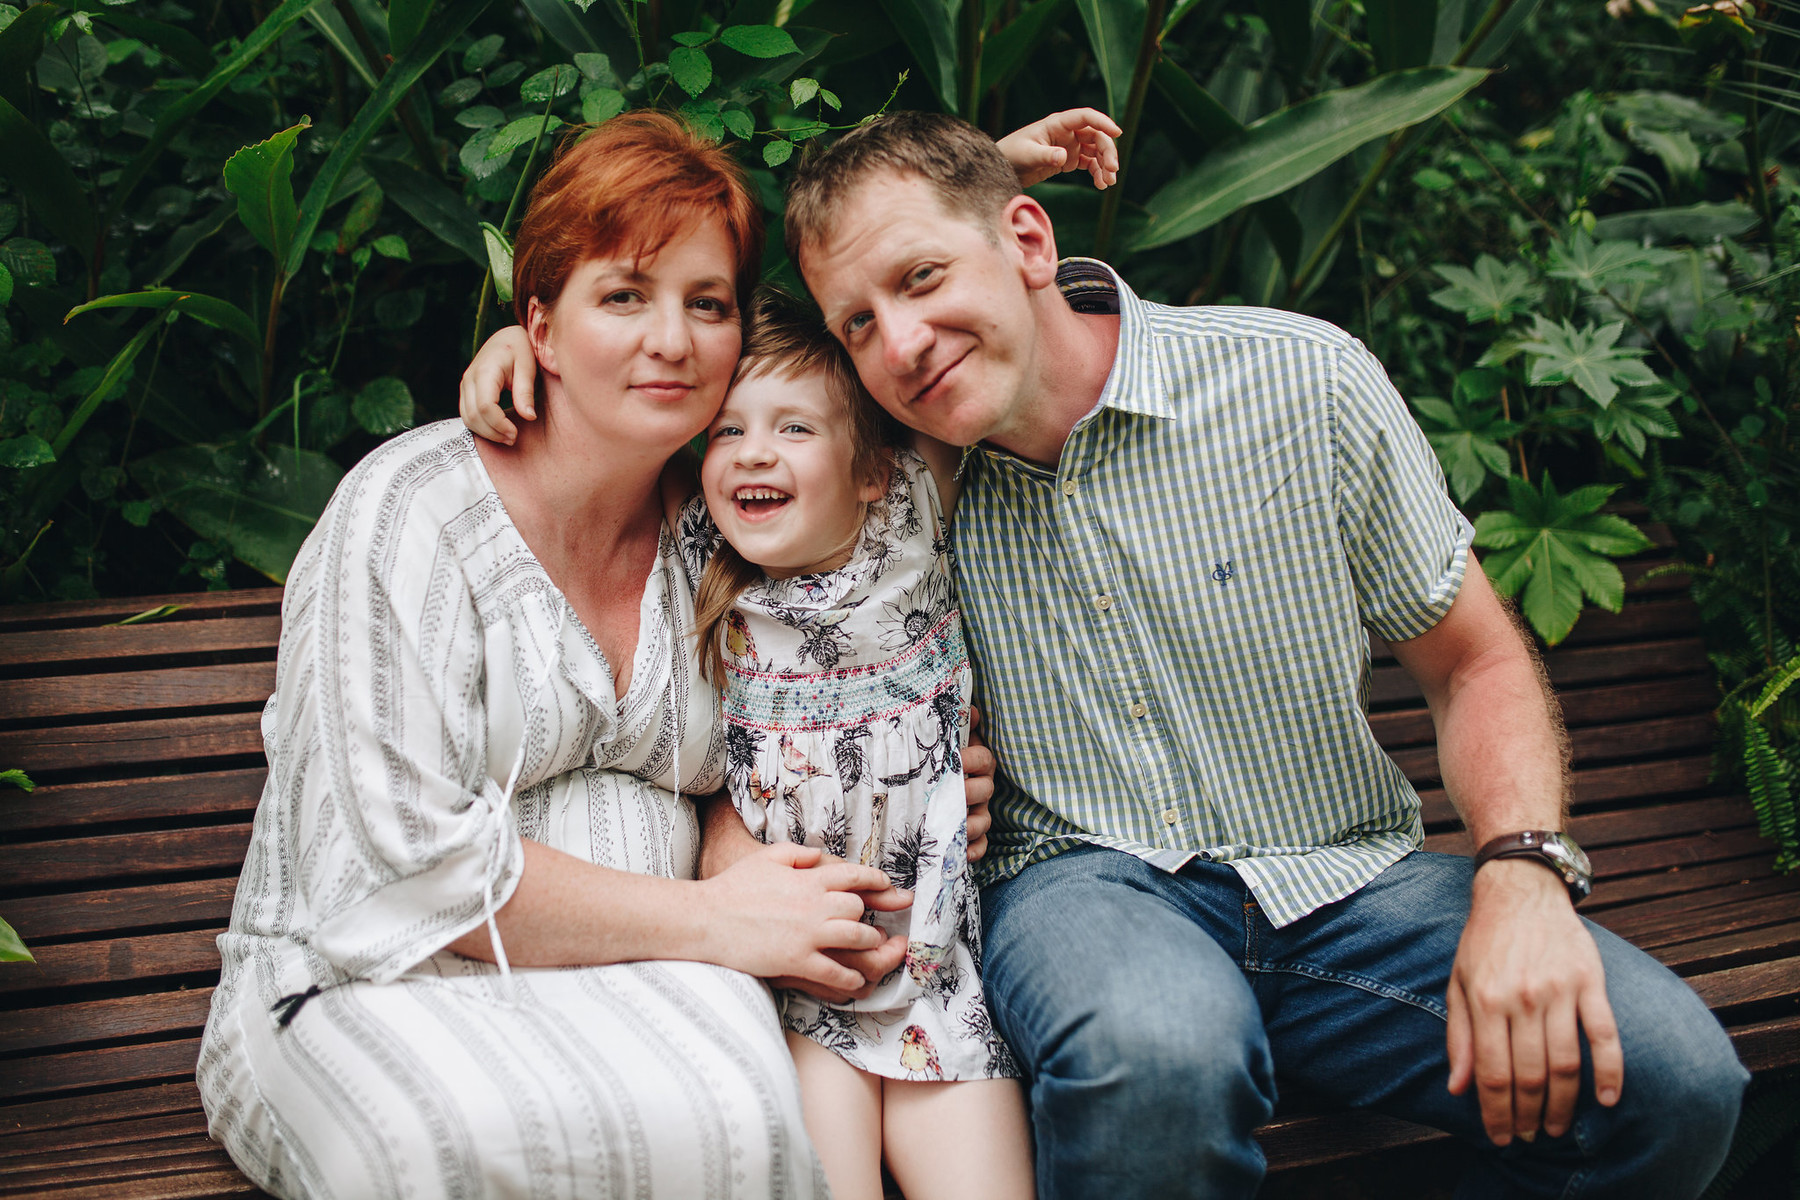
(963, 166)
(631, 184)
(787, 336)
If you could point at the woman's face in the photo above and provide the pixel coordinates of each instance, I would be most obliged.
(640, 351)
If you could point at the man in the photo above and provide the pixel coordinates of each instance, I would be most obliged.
(1176, 526)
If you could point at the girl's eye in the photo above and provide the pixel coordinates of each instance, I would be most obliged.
(795, 427)
(726, 431)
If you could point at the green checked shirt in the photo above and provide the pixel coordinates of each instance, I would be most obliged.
(1171, 626)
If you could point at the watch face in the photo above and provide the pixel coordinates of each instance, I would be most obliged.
(1565, 853)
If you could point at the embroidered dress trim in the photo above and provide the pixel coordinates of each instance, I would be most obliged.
(850, 695)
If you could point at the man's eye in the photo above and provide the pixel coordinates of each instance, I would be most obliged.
(857, 323)
(922, 275)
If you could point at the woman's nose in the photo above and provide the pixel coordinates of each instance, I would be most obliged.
(668, 336)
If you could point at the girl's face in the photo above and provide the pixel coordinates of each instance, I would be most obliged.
(778, 475)
(642, 350)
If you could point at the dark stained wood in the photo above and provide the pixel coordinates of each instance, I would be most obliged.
(1403, 727)
(210, 1184)
(1670, 735)
(39, 651)
(1679, 881)
(1768, 1044)
(138, 1152)
(1634, 623)
(206, 794)
(1597, 830)
(1630, 920)
(125, 1104)
(133, 743)
(1674, 852)
(149, 906)
(125, 855)
(122, 692)
(1712, 921)
(174, 1166)
(104, 1020)
(1746, 985)
(20, 1077)
(152, 956)
(1305, 1141)
(106, 1133)
(76, 614)
(1733, 950)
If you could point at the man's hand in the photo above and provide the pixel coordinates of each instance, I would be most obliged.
(1079, 139)
(1527, 978)
(505, 361)
(978, 789)
(778, 912)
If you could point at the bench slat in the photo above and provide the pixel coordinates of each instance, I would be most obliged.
(101, 1020)
(152, 956)
(75, 614)
(126, 1104)
(47, 649)
(122, 855)
(1768, 1044)
(126, 692)
(1713, 921)
(1604, 830)
(150, 906)
(1747, 985)
(198, 1185)
(95, 1068)
(1641, 621)
(199, 1170)
(1733, 950)
(1626, 920)
(133, 743)
(210, 793)
(109, 1133)
(1678, 881)
(1596, 785)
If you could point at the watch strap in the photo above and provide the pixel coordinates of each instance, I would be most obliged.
(1508, 845)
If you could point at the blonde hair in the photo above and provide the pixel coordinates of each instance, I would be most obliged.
(787, 336)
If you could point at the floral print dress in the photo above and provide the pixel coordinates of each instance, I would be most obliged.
(846, 711)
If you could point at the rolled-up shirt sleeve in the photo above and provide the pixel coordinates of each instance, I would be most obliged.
(377, 745)
(1406, 543)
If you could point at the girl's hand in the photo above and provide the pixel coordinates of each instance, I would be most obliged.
(1078, 139)
(776, 913)
(505, 362)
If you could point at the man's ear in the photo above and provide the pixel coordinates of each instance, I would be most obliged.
(1028, 225)
(537, 328)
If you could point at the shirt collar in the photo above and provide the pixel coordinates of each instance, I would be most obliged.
(1136, 382)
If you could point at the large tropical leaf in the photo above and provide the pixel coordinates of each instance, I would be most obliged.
(1697, 223)
(12, 949)
(262, 178)
(1290, 24)
(405, 19)
(1587, 358)
(1293, 145)
(1009, 49)
(209, 310)
(432, 204)
(437, 37)
(1556, 549)
(20, 44)
(1401, 32)
(928, 27)
(262, 507)
(1467, 438)
(1114, 28)
(1493, 291)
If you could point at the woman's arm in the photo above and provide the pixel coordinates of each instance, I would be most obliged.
(774, 912)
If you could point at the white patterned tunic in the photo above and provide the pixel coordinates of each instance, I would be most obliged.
(425, 659)
(846, 711)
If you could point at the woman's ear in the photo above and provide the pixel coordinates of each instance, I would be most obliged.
(537, 328)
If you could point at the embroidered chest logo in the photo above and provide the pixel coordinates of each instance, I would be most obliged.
(1222, 573)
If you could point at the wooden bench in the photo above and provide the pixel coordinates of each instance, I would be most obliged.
(118, 871)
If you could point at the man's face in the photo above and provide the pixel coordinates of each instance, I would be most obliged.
(933, 308)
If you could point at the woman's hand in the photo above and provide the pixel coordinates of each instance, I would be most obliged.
(777, 911)
(1078, 139)
(505, 362)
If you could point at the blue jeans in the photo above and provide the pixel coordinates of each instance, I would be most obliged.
(1154, 1013)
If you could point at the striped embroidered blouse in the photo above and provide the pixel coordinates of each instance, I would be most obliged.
(1170, 626)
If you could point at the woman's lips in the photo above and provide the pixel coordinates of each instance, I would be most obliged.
(664, 389)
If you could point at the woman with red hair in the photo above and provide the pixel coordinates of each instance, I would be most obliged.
(469, 954)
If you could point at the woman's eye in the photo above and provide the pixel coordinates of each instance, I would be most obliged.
(712, 306)
(620, 297)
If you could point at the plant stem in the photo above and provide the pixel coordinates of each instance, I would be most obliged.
(1759, 184)
(487, 281)
(1149, 50)
(968, 92)
(268, 348)
(409, 120)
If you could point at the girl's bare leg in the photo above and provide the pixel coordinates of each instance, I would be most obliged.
(947, 1141)
(842, 1106)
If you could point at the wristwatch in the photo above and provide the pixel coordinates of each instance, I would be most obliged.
(1555, 850)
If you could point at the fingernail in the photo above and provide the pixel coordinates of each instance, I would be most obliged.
(1528, 1136)
(1609, 1096)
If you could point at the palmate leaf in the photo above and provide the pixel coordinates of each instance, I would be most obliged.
(1594, 265)
(1635, 417)
(1493, 291)
(1556, 549)
(1467, 440)
(1586, 357)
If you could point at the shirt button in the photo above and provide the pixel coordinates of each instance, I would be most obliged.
(1103, 602)
(1169, 816)
(1068, 487)
(1139, 708)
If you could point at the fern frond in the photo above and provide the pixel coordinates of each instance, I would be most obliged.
(1785, 675)
(1766, 778)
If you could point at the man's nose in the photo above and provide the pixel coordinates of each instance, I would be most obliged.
(904, 342)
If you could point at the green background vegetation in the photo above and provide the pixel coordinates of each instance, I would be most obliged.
(241, 241)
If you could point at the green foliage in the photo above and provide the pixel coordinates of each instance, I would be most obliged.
(12, 949)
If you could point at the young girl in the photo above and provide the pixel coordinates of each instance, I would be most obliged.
(826, 610)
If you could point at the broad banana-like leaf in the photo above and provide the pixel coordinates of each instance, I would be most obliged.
(1199, 108)
(1291, 146)
(1114, 28)
(405, 71)
(1503, 33)
(432, 204)
(1401, 32)
(405, 19)
(20, 45)
(175, 118)
(1010, 48)
(1290, 25)
(331, 27)
(262, 507)
(172, 40)
(39, 173)
(208, 310)
(262, 179)
(928, 27)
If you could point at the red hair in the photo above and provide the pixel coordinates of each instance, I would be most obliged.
(629, 186)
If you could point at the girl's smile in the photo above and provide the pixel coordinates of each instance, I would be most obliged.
(779, 477)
